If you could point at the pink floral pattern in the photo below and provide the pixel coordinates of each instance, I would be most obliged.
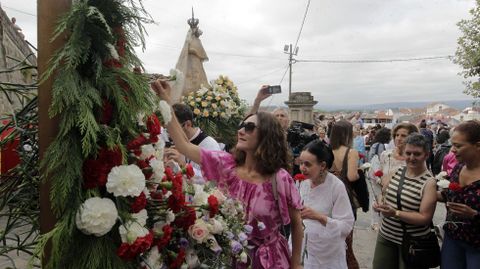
(270, 247)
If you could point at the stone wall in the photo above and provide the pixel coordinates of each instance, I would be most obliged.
(13, 51)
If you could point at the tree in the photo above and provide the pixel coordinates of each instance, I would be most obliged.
(468, 52)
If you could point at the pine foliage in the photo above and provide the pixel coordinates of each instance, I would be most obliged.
(88, 75)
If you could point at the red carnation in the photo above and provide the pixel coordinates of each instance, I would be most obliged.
(107, 112)
(95, 171)
(378, 173)
(189, 170)
(139, 203)
(121, 41)
(129, 251)
(213, 205)
(178, 261)
(112, 63)
(454, 186)
(176, 201)
(186, 219)
(299, 177)
(137, 142)
(95, 174)
(169, 173)
(153, 125)
(166, 237)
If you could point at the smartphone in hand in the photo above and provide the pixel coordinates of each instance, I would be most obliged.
(273, 89)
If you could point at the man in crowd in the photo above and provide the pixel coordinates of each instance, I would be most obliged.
(196, 136)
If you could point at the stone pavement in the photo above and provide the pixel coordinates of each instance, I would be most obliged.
(364, 240)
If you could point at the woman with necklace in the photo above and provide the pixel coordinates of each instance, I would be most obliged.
(327, 213)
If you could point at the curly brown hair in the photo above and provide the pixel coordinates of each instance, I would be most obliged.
(272, 151)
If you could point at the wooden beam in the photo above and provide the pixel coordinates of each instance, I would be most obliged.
(48, 13)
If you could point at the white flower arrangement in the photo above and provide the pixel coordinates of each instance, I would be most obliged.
(96, 216)
(126, 180)
(220, 100)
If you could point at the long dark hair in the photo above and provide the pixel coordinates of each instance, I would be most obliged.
(272, 151)
(342, 134)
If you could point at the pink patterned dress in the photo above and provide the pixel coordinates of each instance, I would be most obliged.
(270, 247)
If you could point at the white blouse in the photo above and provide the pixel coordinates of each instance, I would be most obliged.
(325, 245)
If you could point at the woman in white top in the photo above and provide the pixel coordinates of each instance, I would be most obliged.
(327, 213)
(392, 159)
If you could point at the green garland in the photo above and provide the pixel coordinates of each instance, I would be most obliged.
(90, 80)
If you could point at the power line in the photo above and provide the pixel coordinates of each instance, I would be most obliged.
(448, 57)
(303, 22)
(286, 70)
(20, 11)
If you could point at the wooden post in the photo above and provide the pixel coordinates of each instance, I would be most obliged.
(48, 13)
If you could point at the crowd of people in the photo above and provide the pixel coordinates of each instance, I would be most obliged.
(309, 223)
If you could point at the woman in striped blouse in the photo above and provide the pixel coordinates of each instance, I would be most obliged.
(417, 199)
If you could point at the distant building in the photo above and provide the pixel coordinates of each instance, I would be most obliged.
(380, 117)
(14, 51)
(469, 113)
(434, 108)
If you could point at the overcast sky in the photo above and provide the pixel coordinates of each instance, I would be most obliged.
(244, 39)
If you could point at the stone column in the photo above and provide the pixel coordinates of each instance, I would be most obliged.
(300, 107)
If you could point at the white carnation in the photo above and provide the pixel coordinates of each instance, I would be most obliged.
(215, 226)
(147, 151)
(96, 216)
(365, 166)
(131, 230)
(166, 111)
(169, 217)
(200, 197)
(443, 184)
(441, 175)
(158, 169)
(141, 217)
(126, 180)
(154, 258)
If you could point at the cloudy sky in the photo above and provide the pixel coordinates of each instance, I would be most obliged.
(244, 39)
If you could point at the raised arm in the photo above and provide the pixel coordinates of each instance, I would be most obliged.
(191, 151)
(261, 95)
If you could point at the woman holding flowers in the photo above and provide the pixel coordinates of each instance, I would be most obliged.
(414, 189)
(327, 214)
(254, 175)
(461, 244)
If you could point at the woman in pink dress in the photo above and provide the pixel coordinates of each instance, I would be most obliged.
(253, 174)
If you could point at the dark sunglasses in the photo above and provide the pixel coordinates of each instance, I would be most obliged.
(249, 126)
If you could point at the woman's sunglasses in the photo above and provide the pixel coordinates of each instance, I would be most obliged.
(249, 126)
